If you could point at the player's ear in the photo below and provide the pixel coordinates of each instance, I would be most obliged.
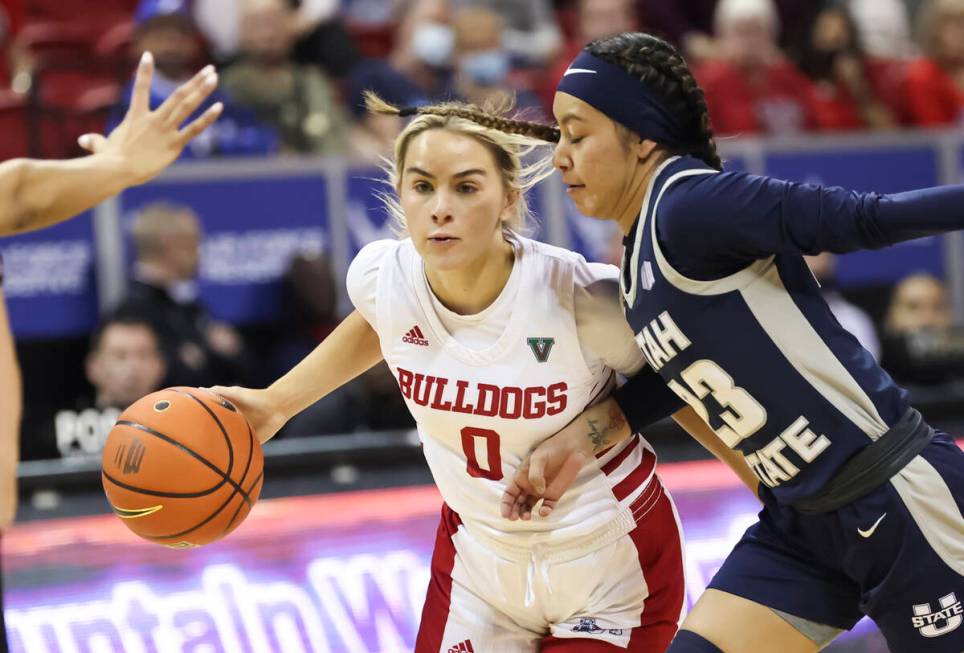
(511, 200)
(644, 148)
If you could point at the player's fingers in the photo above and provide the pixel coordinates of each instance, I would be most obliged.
(546, 507)
(537, 473)
(193, 101)
(566, 475)
(141, 94)
(182, 94)
(509, 498)
(92, 142)
(200, 124)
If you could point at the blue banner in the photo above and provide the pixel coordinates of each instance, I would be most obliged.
(49, 280)
(368, 219)
(882, 170)
(252, 228)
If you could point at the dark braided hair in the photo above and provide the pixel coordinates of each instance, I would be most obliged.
(657, 64)
(489, 117)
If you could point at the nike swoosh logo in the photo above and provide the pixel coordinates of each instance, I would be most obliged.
(576, 71)
(870, 531)
(134, 513)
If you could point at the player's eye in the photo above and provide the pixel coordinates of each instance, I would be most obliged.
(575, 139)
(421, 187)
(467, 188)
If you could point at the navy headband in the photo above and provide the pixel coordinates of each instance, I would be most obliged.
(611, 90)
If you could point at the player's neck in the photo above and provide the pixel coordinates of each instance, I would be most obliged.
(629, 209)
(472, 289)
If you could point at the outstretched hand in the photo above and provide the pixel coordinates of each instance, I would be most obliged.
(146, 141)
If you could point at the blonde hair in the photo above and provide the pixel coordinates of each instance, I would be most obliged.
(511, 142)
(155, 221)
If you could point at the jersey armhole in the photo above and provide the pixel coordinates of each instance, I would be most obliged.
(725, 284)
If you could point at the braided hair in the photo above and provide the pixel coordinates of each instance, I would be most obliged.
(510, 141)
(657, 64)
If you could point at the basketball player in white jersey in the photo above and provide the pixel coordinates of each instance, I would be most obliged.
(497, 341)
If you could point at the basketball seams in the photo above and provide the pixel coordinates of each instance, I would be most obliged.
(237, 487)
(166, 438)
(217, 420)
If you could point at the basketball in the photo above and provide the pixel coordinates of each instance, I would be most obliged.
(182, 467)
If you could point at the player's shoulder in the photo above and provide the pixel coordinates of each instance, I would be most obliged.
(583, 271)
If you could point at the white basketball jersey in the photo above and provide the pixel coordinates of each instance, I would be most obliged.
(481, 411)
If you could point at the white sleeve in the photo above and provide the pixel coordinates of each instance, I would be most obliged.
(362, 277)
(604, 333)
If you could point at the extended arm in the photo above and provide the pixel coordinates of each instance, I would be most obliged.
(38, 194)
(351, 349)
(743, 217)
(10, 409)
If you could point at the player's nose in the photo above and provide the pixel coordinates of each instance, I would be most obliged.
(560, 158)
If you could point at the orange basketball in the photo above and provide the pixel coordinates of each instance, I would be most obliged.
(182, 467)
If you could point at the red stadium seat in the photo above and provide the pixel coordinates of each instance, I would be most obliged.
(13, 125)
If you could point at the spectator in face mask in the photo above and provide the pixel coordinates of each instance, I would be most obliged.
(483, 68)
(418, 70)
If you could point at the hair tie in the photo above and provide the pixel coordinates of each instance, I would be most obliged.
(405, 112)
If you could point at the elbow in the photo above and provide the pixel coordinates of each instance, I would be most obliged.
(16, 211)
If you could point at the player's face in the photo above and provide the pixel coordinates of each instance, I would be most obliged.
(126, 365)
(599, 167)
(454, 199)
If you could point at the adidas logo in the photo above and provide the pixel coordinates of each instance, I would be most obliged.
(415, 337)
(463, 647)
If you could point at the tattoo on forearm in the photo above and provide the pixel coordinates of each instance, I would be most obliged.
(598, 437)
(616, 418)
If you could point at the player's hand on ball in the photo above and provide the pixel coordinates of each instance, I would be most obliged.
(146, 141)
(545, 474)
(258, 407)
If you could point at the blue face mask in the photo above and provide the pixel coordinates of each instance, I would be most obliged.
(489, 68)
(433, 43)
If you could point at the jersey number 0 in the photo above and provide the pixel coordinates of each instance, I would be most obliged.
(493, 468)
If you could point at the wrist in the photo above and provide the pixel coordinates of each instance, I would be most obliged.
(117, 168)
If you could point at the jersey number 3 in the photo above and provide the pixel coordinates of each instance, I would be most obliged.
(742, 414)
(493, 467)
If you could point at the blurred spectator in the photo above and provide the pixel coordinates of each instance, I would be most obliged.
(419, 68)
(483, 67)
(850, 317)
(689, 24)
(199, 351)
(166, 28)
(123, 365)
(594, 19)
(530, 33)
(884, 27)
(316, 26)
(934, 86)
(920, 345)
(298, 101)
(752, 88)
(310, 314)
(372, 136)
(847, 84)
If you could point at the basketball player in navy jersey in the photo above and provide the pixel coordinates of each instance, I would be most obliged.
(36, 194)
(862, 499)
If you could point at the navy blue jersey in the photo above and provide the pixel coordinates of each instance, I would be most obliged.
(727, 312)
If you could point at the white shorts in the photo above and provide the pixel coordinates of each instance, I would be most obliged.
(626, 596)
